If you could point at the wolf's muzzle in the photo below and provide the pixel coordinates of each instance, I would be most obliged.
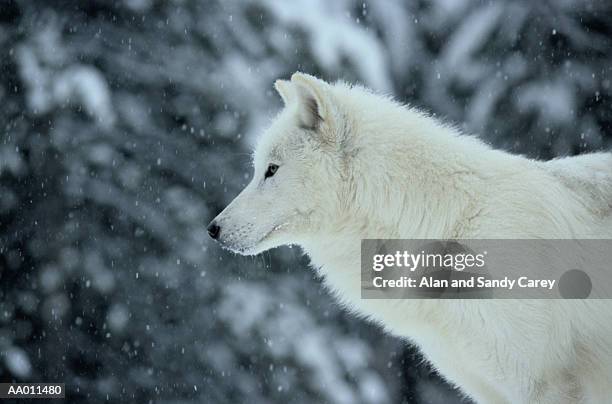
(214, 230)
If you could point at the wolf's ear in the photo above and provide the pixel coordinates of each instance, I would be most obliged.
(285, 90)
(313, 98)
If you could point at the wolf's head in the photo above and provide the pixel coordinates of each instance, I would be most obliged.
(298, 172)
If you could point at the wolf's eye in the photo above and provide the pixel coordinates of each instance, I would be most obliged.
(271, 171)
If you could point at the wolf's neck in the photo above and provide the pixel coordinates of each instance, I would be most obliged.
(337, 258)
(419, 180)
(427, 191)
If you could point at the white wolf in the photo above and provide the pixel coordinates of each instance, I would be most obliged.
(340, 164)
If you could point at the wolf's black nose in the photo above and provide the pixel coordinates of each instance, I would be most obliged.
(214, 230)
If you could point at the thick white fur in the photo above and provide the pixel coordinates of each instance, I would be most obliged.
(356, 165)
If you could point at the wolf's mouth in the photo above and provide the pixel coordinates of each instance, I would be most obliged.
(232, 244)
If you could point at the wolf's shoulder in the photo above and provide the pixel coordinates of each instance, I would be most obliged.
(587, 175)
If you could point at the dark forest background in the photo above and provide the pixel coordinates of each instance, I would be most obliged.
(125, 126)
